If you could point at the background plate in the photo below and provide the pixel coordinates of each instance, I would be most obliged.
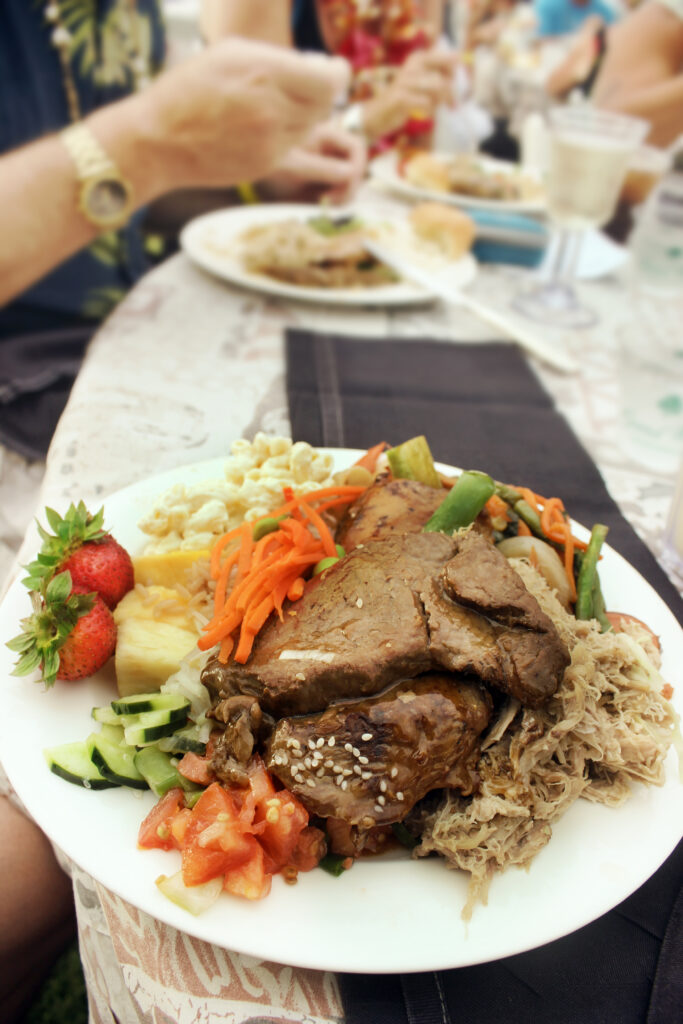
(386, 914)
(384, 169)
(212, 242)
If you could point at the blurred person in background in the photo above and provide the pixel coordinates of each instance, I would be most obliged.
(564, 17)
(400, 78)
(642, 71)
(229, 115)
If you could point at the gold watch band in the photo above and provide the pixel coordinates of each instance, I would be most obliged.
(105, 197)
(89, 158)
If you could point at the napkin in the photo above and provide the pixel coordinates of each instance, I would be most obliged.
(482, 407)
(37, 370)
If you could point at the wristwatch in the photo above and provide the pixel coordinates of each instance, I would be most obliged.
(105, 198)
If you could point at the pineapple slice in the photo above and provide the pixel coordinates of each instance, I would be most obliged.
(166, 569)
(150, 645)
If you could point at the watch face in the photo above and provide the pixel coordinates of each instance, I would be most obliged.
(106, 200)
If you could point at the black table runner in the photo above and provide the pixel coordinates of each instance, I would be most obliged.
(481, 407)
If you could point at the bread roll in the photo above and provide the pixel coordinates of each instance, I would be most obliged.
(445, 226)
(425, 171)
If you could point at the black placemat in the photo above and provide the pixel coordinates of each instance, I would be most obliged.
(481, 407)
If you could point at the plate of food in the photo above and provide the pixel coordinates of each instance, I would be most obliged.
(428, 700)
(464, 179)
(317, 255)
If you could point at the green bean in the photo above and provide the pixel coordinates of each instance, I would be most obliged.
(404, 836)
(530, 516)
(333, 864)
(588, 574)
(463, 503)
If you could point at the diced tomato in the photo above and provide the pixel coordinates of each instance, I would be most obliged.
(214, 840)
(197, 769)
(618, 619)
(250, 879)
(179, 825)
(156, 830)
(285, 817)
(311, 847)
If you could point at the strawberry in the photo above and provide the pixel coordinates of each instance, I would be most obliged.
(101, 565)
(80, 546)
(70, 634)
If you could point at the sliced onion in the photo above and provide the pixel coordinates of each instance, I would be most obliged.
(549, 562)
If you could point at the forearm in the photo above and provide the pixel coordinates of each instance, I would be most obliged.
(267, 20)
(661, 104)
(41, 223)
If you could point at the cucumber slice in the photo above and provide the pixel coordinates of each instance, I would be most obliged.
(105, 715)
(159, 771)
(139, 702)
(115, 762)
(149, 726)
(112, 733)
(184, 741)
(72, 762)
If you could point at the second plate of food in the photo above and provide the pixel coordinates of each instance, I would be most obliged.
(303, 252)
(464, 179)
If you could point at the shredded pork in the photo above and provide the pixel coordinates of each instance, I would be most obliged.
(606, 726)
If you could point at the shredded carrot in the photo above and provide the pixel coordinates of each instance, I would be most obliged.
(224, 572)
(556, 527)
(529, 497)
(296, 589)
(323, 529)
(497, 508)
(256, 577)
(369, 460)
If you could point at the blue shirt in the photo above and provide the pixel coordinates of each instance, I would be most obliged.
(33, 103)
(562, 17)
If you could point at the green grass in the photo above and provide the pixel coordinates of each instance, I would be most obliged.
(62, 998)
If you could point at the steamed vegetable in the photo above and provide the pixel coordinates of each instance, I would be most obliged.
(463, 503)
(413, 460)
(589, 600)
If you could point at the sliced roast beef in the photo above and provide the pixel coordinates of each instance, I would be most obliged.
(403, 506)
(358, 627)
(367, 762)
(393, 609)
(482, 619)
(398, 506)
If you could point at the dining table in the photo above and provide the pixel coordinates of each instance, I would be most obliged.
(186, 364)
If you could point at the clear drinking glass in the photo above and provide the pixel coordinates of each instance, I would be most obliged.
(589, 156)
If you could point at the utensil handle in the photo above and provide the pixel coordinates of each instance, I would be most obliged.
(527, 339)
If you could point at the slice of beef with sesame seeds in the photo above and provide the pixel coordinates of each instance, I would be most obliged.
(367, 762)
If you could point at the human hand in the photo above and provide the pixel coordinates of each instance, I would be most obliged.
(418, 88)
(231, 113)
(329, 165)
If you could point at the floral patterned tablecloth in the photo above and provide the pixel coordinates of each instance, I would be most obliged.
(185, 365)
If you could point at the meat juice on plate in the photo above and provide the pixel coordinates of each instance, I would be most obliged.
(585, 177)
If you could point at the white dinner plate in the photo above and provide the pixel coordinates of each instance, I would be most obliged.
(387, 914)
(212, 241)
(384, 169)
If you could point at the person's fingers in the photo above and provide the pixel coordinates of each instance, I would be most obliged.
(310, 77)
(317, 168)
(432, 85)
(443, 61)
